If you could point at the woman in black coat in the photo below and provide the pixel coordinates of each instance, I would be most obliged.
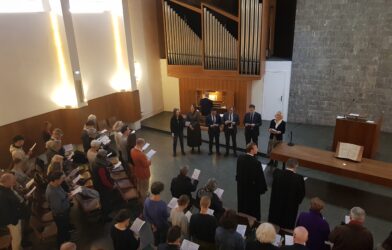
(193, 130)
(177, 124)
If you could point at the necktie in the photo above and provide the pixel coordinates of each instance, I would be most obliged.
(213, 120)
(251, 117)
(231, 118)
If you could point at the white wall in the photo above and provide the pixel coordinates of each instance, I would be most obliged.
(170, 89)
(96, 51)
(28, 66)
(144, 29)
(278, 71)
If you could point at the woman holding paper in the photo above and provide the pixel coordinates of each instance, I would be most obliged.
(193, 129)
(122, 237)
(177, 124)
(276, 129)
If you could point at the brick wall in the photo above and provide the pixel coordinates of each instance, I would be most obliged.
(342, 60)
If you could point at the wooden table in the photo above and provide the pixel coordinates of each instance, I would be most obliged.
(369, 170)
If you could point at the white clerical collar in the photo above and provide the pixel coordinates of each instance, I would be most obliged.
(292, 170)
(250, 154)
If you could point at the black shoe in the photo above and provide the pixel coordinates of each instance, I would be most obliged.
(174, 154)
(227, 154)
(209, 153)
(235, 155)
(183, 153)
(218, 153)
(192, 151)
(198, 150)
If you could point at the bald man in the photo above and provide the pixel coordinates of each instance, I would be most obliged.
(68, 246)
(300, 236)
(11, 210)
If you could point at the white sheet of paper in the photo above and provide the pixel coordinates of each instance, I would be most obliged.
(76, 190)
(354, 114)
(188, 215)
(133, 132)
(369, 121)
(278, 240)
(210, 211)
(31, 191)
(189, 245)
(305, 178)
(219, 192)
(103, 131)
(30, 183)
(32, 147)
(70, 156)
(75, 171)
(187, 123)
(68, 147)
(104, 139)
(173, 203)
(137, 225)
(118, 164)
(109, 154)
(196, 173)
(340, 117)
(77, 179)
(347, 219)
(146, 146)
(288, 240)
(151, 153)
(264, 166)
(241, 229)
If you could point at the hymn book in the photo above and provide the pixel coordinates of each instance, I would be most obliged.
(196, 173)
(150, 154)
(288, 240)
(349, 151)
(189, 245)
(137, 225)
(188, 216)
(146, 146)
(173, 203)
(241, 229)
(219, 192)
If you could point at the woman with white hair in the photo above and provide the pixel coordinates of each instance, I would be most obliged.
(265, 237)
(93, 151)
(216, 202)
(276, 129)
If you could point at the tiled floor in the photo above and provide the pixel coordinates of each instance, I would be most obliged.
(339, 193)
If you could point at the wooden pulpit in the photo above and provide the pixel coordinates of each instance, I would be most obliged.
(360, 132)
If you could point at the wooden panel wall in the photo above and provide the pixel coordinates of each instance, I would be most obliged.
(240, 87)
(123, 105)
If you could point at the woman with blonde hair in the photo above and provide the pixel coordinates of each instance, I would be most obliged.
(276, 129)
(265, 237)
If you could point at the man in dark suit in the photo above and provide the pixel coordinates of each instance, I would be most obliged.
(288, 191)
(250, 182)
(182, 184)
(252, 122)
(300, 237)
(231, 121)
(213, 122)
(205, 105)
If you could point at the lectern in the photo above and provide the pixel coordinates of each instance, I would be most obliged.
(360, 132)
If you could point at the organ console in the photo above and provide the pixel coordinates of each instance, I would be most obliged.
(216, 36)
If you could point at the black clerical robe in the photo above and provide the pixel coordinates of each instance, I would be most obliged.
(250, 185)
(288, 191)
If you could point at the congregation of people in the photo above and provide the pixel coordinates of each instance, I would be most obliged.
(199, 215)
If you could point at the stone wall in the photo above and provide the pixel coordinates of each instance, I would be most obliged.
(342, 61)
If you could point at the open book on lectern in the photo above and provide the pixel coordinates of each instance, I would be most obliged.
(349, 151)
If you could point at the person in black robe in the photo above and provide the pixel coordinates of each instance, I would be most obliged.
(205, 105)
(177, 124)
(193, 129)
(250, 182)
(288, 191)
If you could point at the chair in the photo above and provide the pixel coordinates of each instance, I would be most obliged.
(88, 205)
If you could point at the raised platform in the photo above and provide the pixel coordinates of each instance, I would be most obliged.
(315, 136)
